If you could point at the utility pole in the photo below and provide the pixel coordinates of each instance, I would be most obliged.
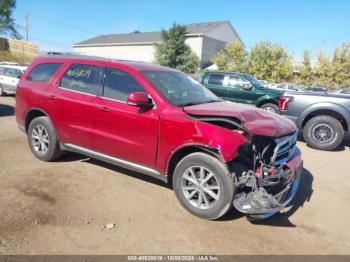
(26, 26)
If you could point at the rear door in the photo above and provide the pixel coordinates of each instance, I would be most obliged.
(72, 103)
(123, 131)
(215, 82)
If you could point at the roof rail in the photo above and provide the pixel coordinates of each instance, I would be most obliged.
(81, 56)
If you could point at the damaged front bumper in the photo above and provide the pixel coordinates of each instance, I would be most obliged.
(260, 203)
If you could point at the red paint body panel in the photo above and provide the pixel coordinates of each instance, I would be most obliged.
(148, 137)
(256, 121)
(177, 130)
(126, 132)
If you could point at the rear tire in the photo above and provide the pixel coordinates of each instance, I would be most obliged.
(43, 140)
(203, 186)
(270, 107)
(323, 132)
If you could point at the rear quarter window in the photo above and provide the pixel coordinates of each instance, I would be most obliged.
(43, 72)
(216, 79)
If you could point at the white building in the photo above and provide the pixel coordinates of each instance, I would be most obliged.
(205, 39)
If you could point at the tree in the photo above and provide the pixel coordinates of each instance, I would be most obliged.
(173, 52)
(7, 24)
(232, 58)
(334, 71)
(341, 65)
(324, 70)
(269, 62)
(305, 71)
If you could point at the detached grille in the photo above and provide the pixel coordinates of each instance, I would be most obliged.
(284, 149)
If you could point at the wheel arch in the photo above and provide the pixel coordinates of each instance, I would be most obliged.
(266, 101)
(184, 151)
(32, 114)
(325, 111)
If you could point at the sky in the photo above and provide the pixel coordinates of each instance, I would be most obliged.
(298, 25)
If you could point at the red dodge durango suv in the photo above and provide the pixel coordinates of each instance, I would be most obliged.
(158, 121)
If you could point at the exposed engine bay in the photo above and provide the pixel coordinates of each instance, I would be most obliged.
(266, 176)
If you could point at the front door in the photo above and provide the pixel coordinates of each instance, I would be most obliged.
(241, 90)
(123, 131)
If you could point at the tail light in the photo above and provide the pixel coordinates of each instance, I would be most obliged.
(283, 102)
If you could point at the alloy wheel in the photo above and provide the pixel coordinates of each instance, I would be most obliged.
(270, 109)
(200, 187)
(323, 133)
(40, 139)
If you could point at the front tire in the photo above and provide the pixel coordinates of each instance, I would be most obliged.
(323, 132)
(43, 140)
(270, 107)
(204, 186)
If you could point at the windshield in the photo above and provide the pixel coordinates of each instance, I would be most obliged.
(254, 81)
(180, 89)
(346, 91)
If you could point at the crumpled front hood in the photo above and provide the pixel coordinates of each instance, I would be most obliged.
(256, 121)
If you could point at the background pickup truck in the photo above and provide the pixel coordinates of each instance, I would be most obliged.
(242, 88)
(323, 118)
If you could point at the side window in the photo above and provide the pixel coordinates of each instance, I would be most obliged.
(11, 72)
(118, 85)
(291, 87)
(216, 79)
(43, 72)
(82, 78)
(283, 86)
(238, 81)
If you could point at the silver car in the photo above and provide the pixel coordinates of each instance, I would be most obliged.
(288, 87)
(9, 77)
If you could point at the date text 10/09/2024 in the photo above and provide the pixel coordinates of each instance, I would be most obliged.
(173, 258)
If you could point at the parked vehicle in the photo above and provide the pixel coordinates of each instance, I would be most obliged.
(344, 91)
(196, 77)
(158, 121)
(9, 77)
(2, 63)
(324, 118)
(288, 87)
(263, 83)
(320, 89)
(242, 88)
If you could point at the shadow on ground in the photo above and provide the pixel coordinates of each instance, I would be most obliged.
(71, 157)
(6, 110)
(345, 145)
(279, 220)
(127, 172)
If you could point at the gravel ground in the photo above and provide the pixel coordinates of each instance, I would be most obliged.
(62, 208)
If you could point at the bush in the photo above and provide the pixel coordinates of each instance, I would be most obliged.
(11, 57)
